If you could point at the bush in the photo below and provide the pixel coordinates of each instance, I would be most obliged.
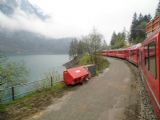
(100, 62)
(84, 60)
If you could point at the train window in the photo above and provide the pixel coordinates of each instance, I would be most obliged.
(146, 52)
(150, 58)
(140, 58)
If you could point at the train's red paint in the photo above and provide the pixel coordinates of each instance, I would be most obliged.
(149, 64)
(146, 57)
(119, 53)
(134, 54)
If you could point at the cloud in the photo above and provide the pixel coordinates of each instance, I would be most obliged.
(76, 18)
(105, 15)
(49, 28)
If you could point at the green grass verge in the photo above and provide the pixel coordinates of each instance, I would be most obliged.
(42, 92)
(84, 60)
(2, 108)
(100, 62)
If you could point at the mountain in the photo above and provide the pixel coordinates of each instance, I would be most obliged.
(24, 42)
(13, 41)
(8, 8)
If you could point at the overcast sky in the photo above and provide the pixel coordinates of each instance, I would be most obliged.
(79, 17)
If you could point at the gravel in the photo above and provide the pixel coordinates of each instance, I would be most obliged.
(146, 109)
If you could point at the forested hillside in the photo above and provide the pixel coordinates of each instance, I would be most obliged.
(23, 42)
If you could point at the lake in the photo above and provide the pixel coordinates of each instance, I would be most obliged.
(39, 65)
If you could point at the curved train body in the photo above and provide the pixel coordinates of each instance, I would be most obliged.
(146, 56)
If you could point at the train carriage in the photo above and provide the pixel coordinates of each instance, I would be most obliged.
(122, 53)
(149, 64)
(134, 54)
(146, 57)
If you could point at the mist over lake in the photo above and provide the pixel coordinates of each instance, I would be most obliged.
(39, 65)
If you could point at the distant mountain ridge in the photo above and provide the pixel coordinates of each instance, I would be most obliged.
(23, 42)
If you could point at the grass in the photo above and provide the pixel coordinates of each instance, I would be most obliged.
(35, 101)
(39, 93)
(84, 60)
(100, 62)
(2, 108)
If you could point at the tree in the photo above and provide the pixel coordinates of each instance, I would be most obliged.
(118, 40)
(89, 44)
(158, 10)
(73, 48)
(135, 17)
(113, 38)
(85, 50)
(104, 45)
(81, 48)
(11, 74)
(95, 40)
(140, 17)
(138, 28)
(134, 23)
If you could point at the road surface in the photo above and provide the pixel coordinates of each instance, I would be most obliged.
(110, 96)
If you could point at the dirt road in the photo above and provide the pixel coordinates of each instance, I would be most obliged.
(110, 96)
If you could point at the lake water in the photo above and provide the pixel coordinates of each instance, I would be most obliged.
(39, 65)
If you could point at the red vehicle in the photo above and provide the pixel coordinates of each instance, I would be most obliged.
(111, 53)
(75, 75)
(149, 65)
(119, 53)
(134, 54)
(147, 57)
(122, 53)
(103, 53)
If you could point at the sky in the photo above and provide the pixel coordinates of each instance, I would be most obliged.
(79, 17)
(76, 18)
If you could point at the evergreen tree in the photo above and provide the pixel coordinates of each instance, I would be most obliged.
(158, 10)
(118, 40)
(81, 47)
(138, 28)
(113, 38)
(104, 45)
(134, 23)
(140, 17)
(73, 48)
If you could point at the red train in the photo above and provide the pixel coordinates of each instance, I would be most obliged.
(146, 56)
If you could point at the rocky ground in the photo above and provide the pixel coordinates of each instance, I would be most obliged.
(145, 107)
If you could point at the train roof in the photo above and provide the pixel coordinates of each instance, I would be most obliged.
(135, 46)
(124, 49)
(121, 49)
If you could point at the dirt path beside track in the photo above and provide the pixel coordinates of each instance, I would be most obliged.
(113, 95)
